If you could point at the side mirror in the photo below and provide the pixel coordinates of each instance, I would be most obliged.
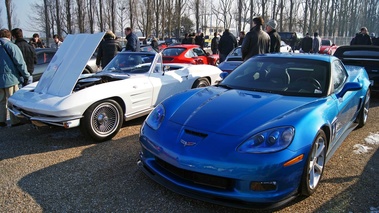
(350, 86)
(224, 74)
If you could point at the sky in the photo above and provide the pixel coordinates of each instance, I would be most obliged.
(22, 9)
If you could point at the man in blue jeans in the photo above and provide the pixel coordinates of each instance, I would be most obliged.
(12, 67)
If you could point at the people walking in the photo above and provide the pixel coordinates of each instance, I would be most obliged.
(12, 67)
(274, 36)
(256, 40)
(108, 48)
(226, 44)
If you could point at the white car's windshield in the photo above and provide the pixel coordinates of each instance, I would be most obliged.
(127, 62)
(286, 76)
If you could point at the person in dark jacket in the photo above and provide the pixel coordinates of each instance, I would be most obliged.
(108, 48)
(226, 44)
(199, 40)
(256, 40)
(362, 38)
(306, 44)
(28, 52)
(241, 37)
(294, 41)
(132, 41)
(186, 39)
(274, 36)
(214, 43)
(36, 42)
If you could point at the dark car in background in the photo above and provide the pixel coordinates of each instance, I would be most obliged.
(287, 36)
(44, 56)
(366, 56)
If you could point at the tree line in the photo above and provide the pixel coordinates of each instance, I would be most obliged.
(172, 18)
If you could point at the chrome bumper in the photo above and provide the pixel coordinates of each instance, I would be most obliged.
(66, 122)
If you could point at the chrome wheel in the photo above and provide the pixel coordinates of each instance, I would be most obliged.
(316, 163)
(102, 120)
(314, 167)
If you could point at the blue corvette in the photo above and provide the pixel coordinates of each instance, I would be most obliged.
(259, 138)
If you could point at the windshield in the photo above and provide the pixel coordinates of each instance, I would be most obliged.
(128, 62)
(286, 76)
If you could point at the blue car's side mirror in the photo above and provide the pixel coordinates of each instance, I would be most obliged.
(224, 74)
(350, 86)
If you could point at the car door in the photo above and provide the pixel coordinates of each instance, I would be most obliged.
(166, 82)
(346, 104)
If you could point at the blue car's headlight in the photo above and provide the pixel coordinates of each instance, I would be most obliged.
(271, 140)
(156, 117)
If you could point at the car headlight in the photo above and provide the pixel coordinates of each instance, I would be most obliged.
(326, 50)
(156, 117)
(271, 140)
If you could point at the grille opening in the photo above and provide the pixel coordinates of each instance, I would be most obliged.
(197, 178)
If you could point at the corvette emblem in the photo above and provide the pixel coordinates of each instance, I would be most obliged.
(186, 143)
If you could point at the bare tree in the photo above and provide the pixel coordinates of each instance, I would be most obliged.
(8, 4)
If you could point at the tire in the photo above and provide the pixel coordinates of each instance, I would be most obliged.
(217, 62)
(314, 167)
(86, 71)
(102, 120)
(201, 82)
(363, 113)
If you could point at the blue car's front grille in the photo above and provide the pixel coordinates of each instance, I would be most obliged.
(197, 178)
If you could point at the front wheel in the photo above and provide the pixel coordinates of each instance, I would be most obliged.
(102, 120)
(315, 165)
(201, 82)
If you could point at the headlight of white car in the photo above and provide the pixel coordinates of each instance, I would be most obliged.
(271, 140)
(156, 117)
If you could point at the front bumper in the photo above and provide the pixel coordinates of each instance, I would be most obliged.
(41, 120)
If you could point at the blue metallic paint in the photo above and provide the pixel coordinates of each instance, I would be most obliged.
(222, 119)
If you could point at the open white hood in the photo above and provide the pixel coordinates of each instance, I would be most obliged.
(67, 64)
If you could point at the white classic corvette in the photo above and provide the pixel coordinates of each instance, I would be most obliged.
(130, 86)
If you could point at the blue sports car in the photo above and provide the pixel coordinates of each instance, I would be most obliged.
(260, 137)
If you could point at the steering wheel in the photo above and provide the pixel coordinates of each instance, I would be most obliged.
(315, 83)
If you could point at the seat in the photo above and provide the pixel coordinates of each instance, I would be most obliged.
(278, 77)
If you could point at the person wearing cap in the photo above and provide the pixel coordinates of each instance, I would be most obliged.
(256, 40)
(362, 38)
(108, 48)
(274, 36)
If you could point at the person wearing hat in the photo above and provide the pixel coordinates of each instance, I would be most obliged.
(108, 48)
(274, 36)
(256, 40)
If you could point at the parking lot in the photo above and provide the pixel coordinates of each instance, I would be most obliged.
(57, 170)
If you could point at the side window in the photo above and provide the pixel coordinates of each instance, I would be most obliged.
(190, 54)
(199, 51)
(339, 74)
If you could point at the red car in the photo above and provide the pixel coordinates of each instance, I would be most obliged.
(189, 54)
(327, 47)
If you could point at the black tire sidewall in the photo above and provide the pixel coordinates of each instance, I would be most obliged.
(85, 122)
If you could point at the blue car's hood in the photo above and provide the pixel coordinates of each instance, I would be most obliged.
(235, 112)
